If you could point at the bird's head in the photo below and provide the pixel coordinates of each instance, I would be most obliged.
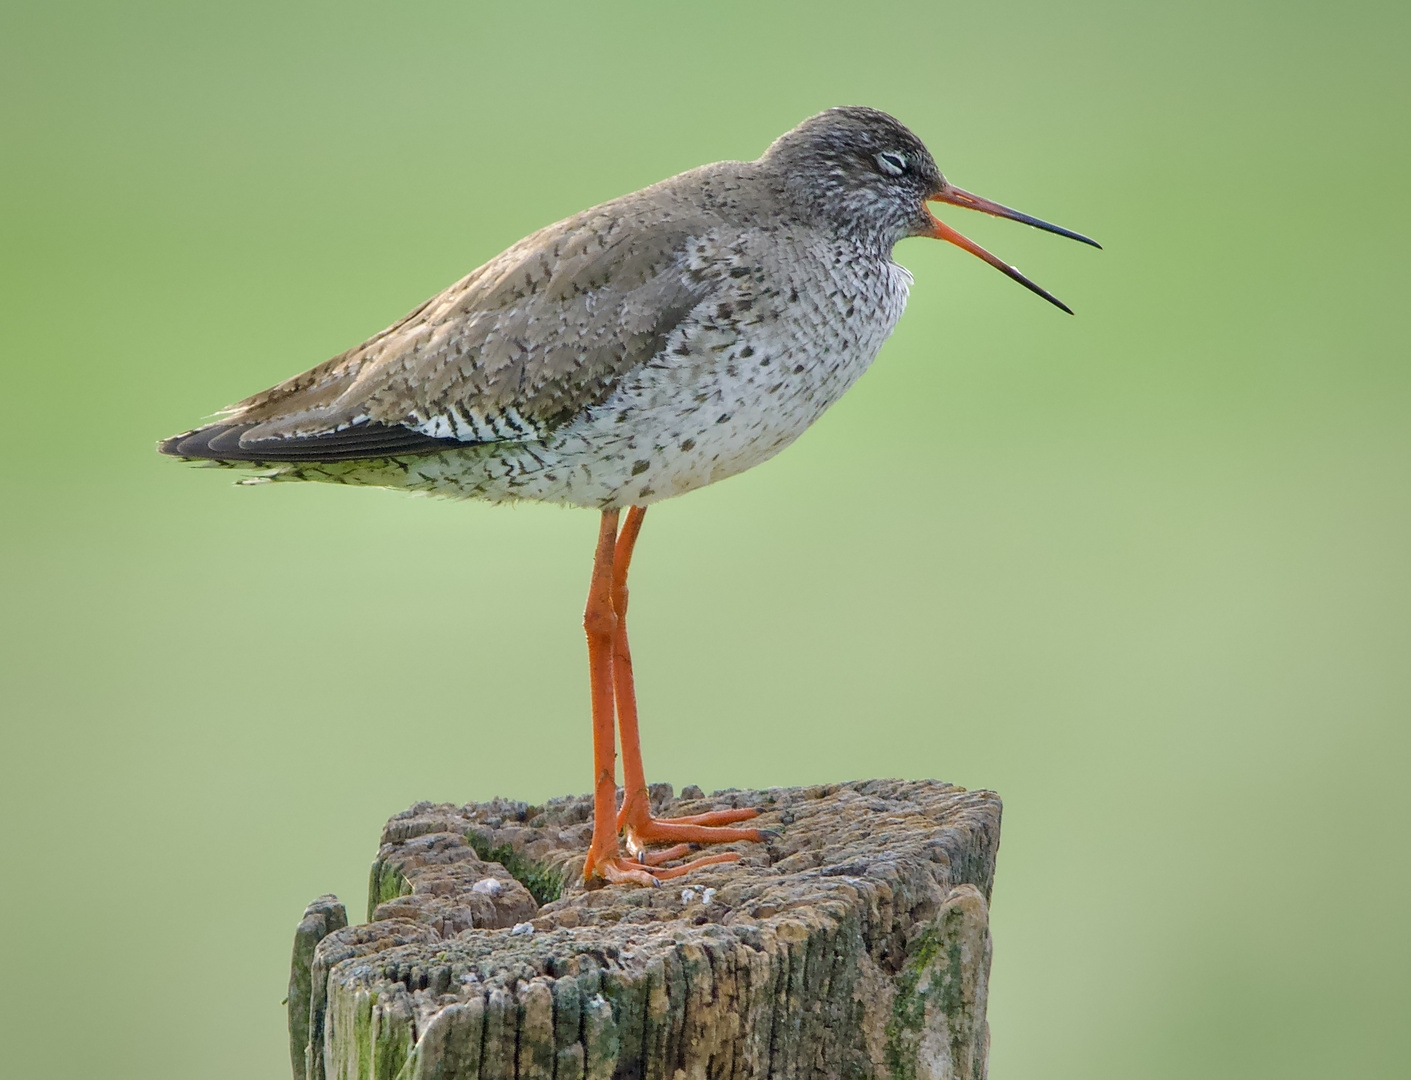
(867, 175)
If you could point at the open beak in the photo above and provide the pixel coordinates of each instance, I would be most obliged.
(956, 197)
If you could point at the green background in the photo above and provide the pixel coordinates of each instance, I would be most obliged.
(1143, 571)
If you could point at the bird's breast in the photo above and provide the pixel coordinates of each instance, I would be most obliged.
(785, 334)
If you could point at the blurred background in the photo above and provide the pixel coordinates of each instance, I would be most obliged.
(1143, 571)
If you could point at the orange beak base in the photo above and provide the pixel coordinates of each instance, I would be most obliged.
(956, 197)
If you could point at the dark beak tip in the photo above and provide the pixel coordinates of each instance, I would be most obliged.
(1070, 234)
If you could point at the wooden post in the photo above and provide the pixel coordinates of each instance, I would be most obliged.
(852, 944)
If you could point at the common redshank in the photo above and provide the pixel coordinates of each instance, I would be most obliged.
(632, 352)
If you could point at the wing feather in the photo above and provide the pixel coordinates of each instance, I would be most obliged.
(226, 442)
(508, 353)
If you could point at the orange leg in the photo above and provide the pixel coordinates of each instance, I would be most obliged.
(635, 818)
(600, 623)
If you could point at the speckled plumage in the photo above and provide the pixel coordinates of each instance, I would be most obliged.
(635, 351)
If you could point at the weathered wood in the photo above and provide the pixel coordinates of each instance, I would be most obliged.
(321, 918)
(852, 944)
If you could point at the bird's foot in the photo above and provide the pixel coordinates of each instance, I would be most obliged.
(640, 829)
(618, 870)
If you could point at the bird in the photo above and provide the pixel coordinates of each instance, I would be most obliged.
(633, 352)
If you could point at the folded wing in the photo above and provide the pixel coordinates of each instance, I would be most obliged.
(510, 352)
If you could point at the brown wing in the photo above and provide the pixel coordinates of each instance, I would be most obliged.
(517, 347)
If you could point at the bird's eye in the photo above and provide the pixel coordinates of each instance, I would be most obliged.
(891, 163)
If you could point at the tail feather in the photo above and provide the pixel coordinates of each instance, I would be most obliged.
(226, 442)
